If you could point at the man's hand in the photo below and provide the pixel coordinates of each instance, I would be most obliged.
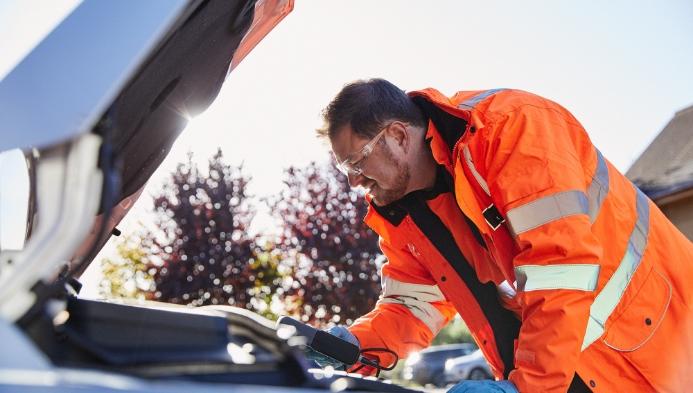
(484, 387)
(323, 360)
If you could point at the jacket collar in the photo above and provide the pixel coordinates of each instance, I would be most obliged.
(446, 123)
(395, 212)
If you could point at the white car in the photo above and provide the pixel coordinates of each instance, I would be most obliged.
(428, 366)
(472, 366)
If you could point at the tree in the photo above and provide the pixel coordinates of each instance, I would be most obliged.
(323, 267)
(202, 252)
(335, 256)
(127, 274)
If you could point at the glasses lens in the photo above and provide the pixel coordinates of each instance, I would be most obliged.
(348, 168)
(343, 168)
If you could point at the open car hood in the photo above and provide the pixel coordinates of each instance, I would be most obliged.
(96, 107)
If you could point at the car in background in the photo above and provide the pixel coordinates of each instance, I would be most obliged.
(428, 366)
(471, 366)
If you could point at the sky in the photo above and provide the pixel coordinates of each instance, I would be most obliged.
(622, 67)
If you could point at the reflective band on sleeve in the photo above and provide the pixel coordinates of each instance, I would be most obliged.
(539, 277)
(546, 209)
(471, 103)
(506, 290)
(606, 301)
(597, 190)
(475, 173)
(553, 207)
(417, 298)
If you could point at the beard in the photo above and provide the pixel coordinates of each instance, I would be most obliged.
(400, 183)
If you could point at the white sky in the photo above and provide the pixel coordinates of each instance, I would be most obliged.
(622, 67)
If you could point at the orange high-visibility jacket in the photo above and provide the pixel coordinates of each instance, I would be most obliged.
(562, 269)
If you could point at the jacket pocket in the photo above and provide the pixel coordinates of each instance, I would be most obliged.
(641, 318)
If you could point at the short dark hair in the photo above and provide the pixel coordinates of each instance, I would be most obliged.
(366, 106)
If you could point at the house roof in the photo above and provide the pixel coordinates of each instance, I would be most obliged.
(666, 166)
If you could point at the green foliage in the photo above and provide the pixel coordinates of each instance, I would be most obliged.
(269, 265)
(127, 275)
(455, 332)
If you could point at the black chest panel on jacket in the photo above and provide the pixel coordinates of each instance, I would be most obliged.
(450, 127)
(504, 324)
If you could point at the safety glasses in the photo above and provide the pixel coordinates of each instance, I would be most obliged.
(352, 165)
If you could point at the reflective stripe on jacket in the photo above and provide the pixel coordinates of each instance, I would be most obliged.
(601, 275)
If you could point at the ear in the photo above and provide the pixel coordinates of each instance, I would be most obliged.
(399, 133)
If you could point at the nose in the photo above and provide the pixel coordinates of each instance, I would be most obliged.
(355, 180)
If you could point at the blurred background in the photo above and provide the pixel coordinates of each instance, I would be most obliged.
(247, 209)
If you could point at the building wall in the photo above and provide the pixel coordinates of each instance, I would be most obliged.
(680, 212)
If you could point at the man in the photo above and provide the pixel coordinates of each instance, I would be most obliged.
(495, 205)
